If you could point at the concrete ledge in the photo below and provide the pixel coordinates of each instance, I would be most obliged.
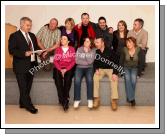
(44, 90)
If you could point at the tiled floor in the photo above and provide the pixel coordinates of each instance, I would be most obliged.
(51, 114)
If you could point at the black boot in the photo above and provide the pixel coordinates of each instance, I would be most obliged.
(66, 105)
(127, 100)
(133, 103)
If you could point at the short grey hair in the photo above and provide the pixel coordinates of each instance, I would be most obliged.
(25, 19)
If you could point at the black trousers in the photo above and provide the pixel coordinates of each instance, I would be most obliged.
(63, 84)
(24, 81)
(142, 60)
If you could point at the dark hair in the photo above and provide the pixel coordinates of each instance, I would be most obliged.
(140, 20)
(102, 18)
(65, 36)
(84, 14)
(100, 37)
(91, 41)
(110, 27)
(125, 25)
(131, 39)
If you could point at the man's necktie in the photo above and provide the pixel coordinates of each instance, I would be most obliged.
(29, 42)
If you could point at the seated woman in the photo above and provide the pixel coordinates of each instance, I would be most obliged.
(84, 59)
(119, 37)
(129, 60)
(64, 61)
(69, 31)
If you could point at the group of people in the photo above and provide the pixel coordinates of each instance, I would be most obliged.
(88, 49)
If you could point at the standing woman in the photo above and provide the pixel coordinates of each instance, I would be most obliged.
(84, 59)
(64, 61)
(119, 37)
(68, 30)
(129, 60)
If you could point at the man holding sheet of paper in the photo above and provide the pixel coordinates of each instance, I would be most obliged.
(23, 46)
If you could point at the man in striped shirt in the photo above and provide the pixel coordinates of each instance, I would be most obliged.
(48, 38)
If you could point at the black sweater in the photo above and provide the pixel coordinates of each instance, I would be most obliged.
(106, 60)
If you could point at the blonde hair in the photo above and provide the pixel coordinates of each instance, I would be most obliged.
(71, 21)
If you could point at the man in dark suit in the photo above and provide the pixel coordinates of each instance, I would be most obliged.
(22, 43)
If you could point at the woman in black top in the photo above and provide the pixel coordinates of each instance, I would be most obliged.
(119, 37)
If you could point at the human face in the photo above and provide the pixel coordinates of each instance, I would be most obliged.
(102, 24)
(87, 43)
(68, 26)
(99, 43)
(85, 20)
(53, 24)
(136, 26)
(26, 26)
(121, 27)
(130, 44)
(64, 40)
(110, 30)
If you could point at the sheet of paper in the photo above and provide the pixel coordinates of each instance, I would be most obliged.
(37, 51)
(32, 57)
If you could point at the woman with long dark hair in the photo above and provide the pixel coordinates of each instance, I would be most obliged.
(119, 37)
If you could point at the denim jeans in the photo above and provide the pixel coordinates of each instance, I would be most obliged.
(79, 74)
(142, 61)
(130, 77)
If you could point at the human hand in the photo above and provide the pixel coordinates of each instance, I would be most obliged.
(28, 53)
(97, 72)
(63, 71)
(114, 77)
(79, 25)
(44, 54)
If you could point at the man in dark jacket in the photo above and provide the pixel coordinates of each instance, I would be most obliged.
(22, 43)
(105, 64)
(102, 30)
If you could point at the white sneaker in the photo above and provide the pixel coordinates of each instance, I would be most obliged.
(76, 104)
(90, 104)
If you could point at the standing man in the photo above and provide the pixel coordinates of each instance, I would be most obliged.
(141, 37)
(84, 29)
(48, 38)
(22, 43)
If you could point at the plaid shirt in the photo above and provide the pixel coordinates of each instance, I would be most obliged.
(48, 37)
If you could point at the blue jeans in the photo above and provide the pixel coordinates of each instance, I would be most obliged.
(79, 74)
(130, 77)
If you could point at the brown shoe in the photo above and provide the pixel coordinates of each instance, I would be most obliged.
(114, 104)
(96, 102)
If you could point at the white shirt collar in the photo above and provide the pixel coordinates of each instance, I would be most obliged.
(23, 32)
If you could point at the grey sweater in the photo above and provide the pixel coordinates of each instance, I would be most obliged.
(83, 59)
